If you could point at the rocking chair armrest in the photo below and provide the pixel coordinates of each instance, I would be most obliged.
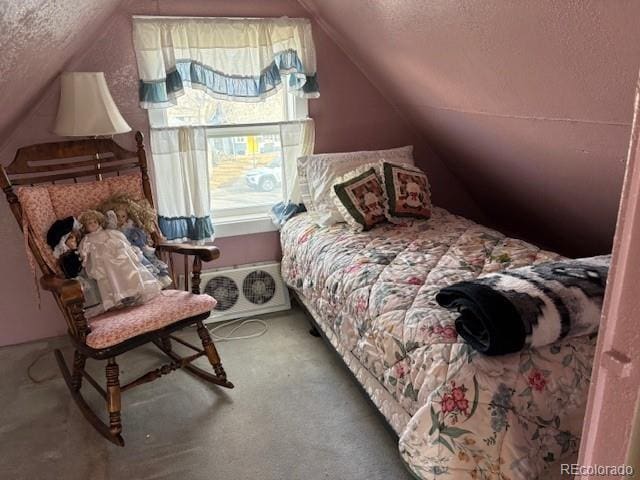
(69, 290)
(206, 253)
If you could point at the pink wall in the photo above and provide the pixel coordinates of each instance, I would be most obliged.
(615, 382)
(529, 103)
(351, 114)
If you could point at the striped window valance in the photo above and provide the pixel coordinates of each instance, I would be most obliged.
(233, 58)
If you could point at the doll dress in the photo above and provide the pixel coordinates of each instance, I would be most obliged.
(109, 259)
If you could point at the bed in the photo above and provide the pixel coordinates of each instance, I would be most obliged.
(458, 414)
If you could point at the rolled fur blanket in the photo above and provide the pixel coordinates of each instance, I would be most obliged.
(531, 306)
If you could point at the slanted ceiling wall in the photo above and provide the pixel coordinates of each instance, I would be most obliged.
(38, 37)
(43, 39)
(529, 103)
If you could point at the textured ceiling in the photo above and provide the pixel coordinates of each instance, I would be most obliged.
(38, 38)
(528, 103)
(549, 58)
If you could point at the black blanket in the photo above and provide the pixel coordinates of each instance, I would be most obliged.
(529, 307)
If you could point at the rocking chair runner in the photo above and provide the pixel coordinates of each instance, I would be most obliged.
(39, 199)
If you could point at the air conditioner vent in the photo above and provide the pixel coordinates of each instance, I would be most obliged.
(259, 287)
(245, 290)
(224, 290)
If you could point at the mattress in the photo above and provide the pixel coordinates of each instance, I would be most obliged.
(458, 414)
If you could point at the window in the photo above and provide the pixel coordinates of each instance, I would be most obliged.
(220, 94)
(245, 163)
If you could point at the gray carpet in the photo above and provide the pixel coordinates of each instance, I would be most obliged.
(296, 413)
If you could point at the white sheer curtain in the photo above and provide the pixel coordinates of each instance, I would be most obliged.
(182, 183)
(298, 139)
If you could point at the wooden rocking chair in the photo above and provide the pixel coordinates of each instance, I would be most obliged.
(48, 185)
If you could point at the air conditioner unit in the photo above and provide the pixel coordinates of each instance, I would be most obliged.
(245, 290)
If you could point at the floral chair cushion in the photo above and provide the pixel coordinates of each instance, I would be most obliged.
(73, 199)
(360, 199)
(128, 184)
(116, 326)
(38, 215)
(407, 191)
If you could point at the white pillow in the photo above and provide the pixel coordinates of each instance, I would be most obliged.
(317, 174)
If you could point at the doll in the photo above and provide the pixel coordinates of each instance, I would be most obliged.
(137, 220)
(108, 257)
(111, 220)
(63, 237)
(138, 240)
(131, 212)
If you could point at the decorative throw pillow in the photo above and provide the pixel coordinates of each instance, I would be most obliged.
(359, 197)
(319, 172)
(407, 192)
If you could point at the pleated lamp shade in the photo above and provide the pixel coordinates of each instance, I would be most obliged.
(86, 108)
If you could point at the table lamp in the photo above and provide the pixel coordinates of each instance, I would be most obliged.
(86, 108)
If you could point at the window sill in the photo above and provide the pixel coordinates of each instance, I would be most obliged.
(243, 225)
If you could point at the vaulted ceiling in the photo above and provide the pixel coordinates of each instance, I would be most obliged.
(529, 104)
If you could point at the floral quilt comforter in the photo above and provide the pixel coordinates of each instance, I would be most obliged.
(458, 414)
